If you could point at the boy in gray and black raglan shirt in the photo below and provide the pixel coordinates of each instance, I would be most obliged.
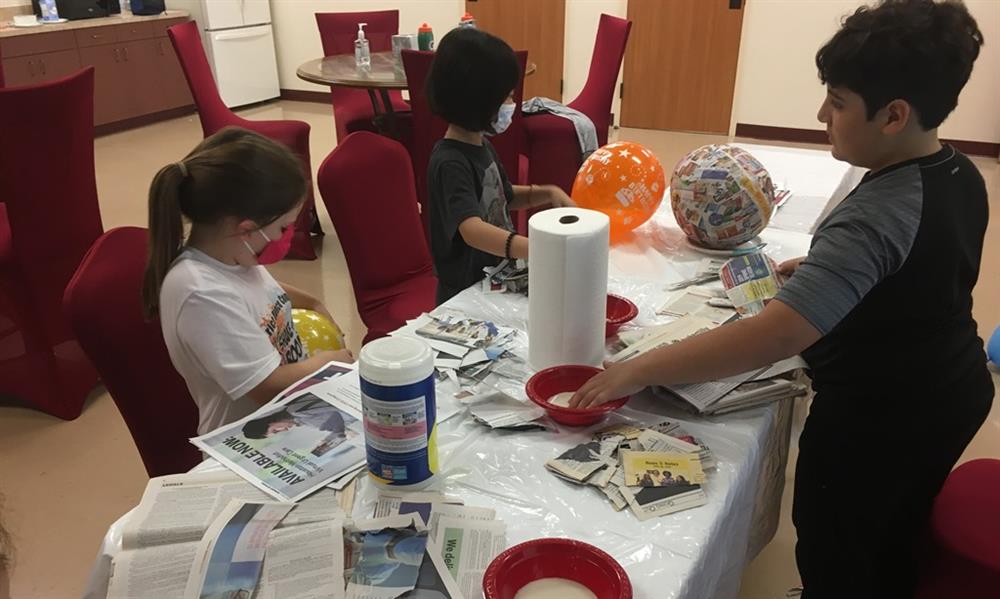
(880, 309)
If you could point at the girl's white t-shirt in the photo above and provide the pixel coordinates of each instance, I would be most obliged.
(227, 328)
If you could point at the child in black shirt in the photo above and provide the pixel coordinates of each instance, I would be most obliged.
(471, 86)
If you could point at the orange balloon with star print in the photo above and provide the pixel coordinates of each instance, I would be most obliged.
(623, 180)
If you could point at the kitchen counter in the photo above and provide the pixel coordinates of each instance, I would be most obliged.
(7, 28)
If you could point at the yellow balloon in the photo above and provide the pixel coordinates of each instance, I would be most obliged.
(317, 332)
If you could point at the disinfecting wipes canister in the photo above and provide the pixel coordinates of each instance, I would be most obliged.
(400, 413)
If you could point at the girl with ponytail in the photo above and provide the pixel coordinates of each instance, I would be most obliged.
(226, 322)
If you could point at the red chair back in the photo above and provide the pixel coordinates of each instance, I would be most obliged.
(427, 128)
(213, 112)
(596, 96)
(338, 30)
(367, 185)
(48, 185)
(1, 67)
(103, 302)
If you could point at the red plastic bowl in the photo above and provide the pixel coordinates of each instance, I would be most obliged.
(560, 379)
(556, 558)
(620, 311)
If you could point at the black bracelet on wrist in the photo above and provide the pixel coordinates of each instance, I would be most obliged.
(506, 249)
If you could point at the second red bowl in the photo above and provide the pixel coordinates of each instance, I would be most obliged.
(620, 311)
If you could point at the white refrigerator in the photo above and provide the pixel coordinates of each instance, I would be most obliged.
(239, 43)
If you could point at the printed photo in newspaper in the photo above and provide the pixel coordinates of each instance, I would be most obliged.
(231, 554)
(292, 447)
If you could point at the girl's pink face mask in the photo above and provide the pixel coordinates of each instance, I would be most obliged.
(276, 249)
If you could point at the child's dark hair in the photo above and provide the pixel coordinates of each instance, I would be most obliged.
(919, 51)
(472, 74)
(235, 173)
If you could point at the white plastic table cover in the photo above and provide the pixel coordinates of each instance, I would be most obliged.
(694, 554)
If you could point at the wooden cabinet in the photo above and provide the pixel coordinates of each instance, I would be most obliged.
(136, 72)
(36, 68)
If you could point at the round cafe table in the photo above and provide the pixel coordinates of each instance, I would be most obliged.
(378, 80)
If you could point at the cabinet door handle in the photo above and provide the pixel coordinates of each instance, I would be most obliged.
(31, 68)
(125, 50)
(160, 46)
(42, 61)
(96, 36)
(117, 57)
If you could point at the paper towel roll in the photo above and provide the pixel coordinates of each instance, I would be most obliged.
(567, 287)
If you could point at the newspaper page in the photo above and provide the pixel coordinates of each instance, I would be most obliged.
(230, 555)
(613, 490)
(328, 371)
(578, 463)
(669, 436)
(294, 446)
(430, 508)
(304, 562)
(157, 572)
(680, 329)
(650, 502)
(468, 547)
(703, 395)
(750, 282)
(389, 557)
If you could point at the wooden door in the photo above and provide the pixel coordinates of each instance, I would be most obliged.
(113, 90)
(537, 26)
(141, 67)
(680, 66)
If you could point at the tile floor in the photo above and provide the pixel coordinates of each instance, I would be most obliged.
(63, 483)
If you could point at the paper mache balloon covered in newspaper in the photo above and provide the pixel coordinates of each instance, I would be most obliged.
(721, 196)
(623, 180)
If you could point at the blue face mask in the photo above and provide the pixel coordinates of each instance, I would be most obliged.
(504, 118)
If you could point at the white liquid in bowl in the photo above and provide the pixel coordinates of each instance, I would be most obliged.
(554, 588)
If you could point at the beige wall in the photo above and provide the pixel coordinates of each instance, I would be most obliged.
(777, 84)
(297, 39)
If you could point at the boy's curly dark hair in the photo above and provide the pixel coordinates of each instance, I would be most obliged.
(919, 51)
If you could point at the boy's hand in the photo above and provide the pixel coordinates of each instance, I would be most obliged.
(619, 380)
(788, 266)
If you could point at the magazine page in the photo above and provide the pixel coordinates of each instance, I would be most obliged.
(383, 557)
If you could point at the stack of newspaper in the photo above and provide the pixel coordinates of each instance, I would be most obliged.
(742, 391)
(466, 350)
(510, 276)
(654, 471)
(309, 437)
(212, 535)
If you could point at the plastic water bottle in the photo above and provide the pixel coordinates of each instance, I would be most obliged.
(467, 21)
(400, 412)
(362, 51)
(425, 37)
(49, 11)
(126, 6)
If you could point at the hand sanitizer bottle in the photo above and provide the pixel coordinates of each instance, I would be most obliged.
(362, 52)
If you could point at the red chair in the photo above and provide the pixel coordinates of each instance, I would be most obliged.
(352, 108)
(1, 68)
(553, 149)
(367, 185)
(428, 129)
(103, 305)
(214, 116)
(965, 535)
(48, 219)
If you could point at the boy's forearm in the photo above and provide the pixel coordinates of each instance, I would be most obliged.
(492, 239)
(283, 376)
(731, 349)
